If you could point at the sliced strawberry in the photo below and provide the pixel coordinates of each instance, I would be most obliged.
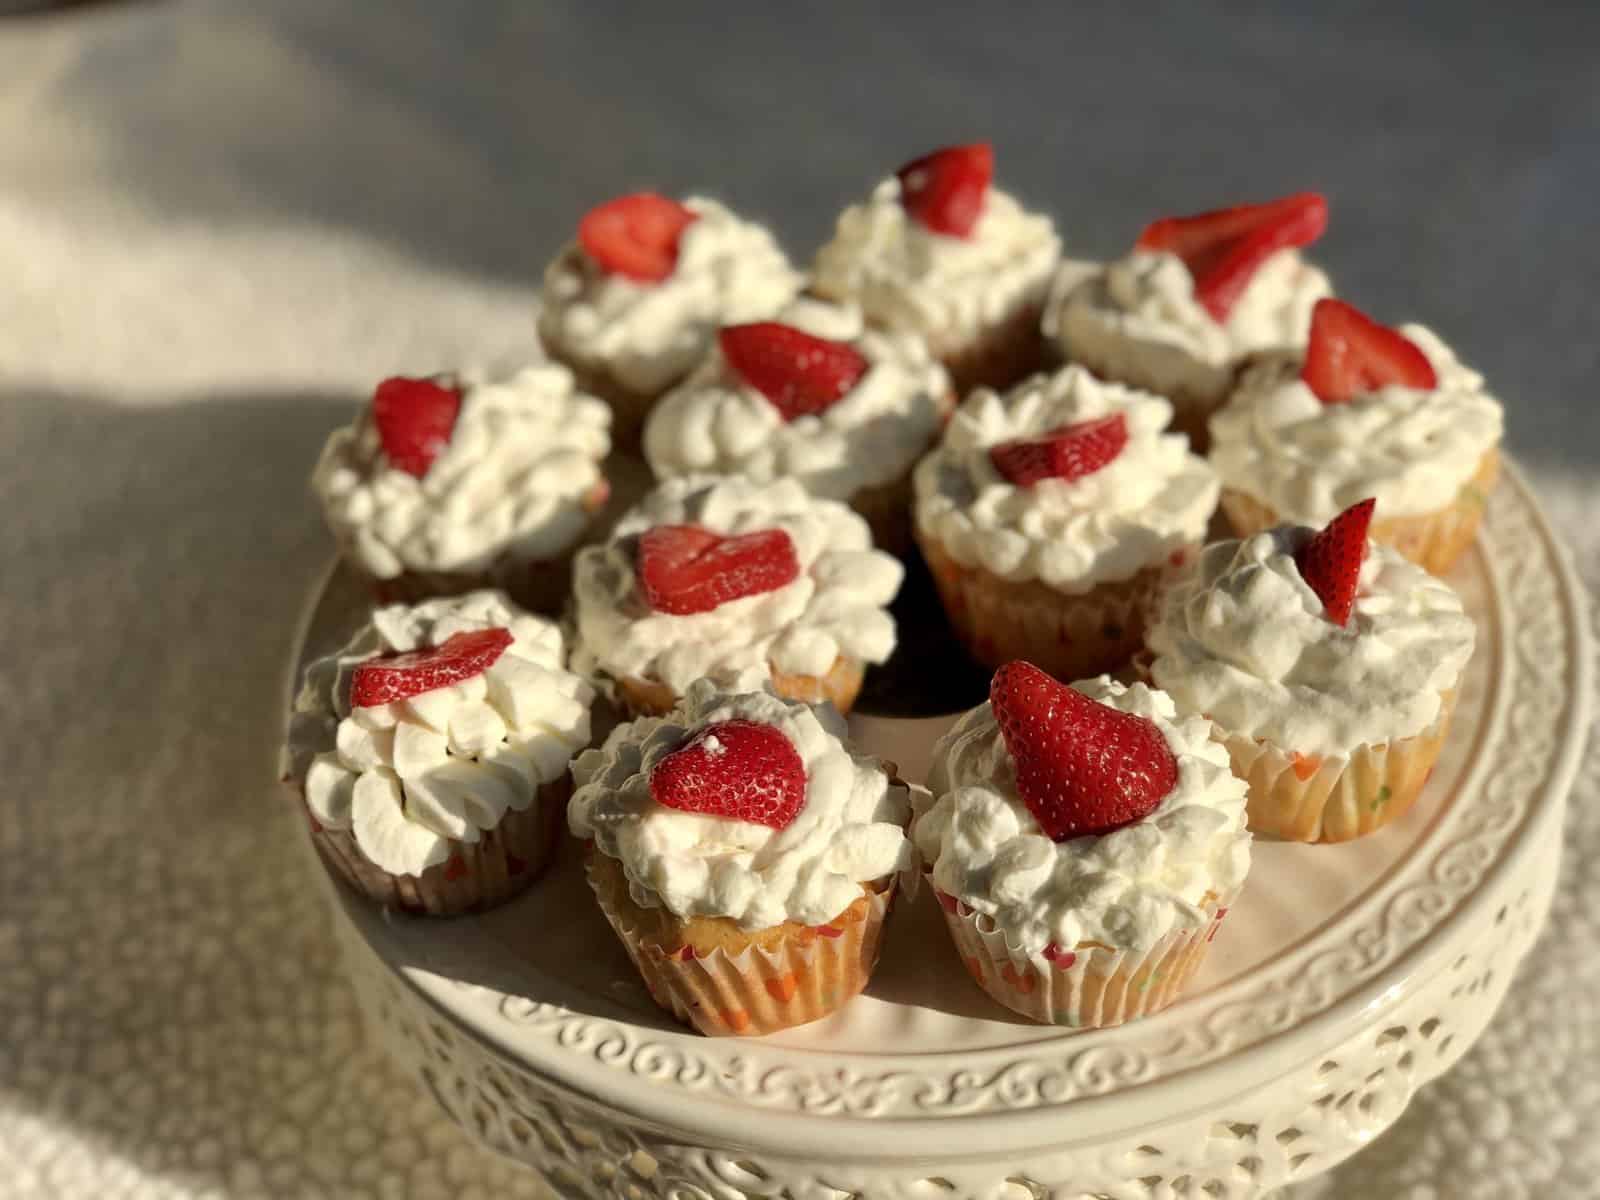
(944, 191)
(1082, 767)
(801, 375)
(1330, 562)
(1067, 452)
(1223, 249)
(635, 235)
(463, 655)
(1349, 353)
(739, 769)
(687, 569)
(415, 418)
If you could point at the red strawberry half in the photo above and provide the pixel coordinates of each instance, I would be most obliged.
(1330, 562)
(415, 418)
(943, 191)
(382, 680)
(738, 769)
(687, 569)
(799, 374)
(1066, 452)
(1082, 767)
(635, 235)
(1223, 249)
(1350, 353)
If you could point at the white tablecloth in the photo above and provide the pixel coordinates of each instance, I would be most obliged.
(218, 224)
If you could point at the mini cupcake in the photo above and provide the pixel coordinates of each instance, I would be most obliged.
(1369, 411)
(812, 396)
(1329, 665)
(939, 253)
(1085, 843)
(1050, 516)
(455, 483)
(751, 585)
(745, 856)
(633, 304)
(1196, 298)
(431, 753)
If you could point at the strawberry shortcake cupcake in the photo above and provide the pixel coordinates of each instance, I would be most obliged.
(744, 854)
(939, 252)
(431, 752)
(751, 585)
(1085, 843)
(1329, 665)
(633, 303)
(1367, 411)
(457, 482)
(1049, 517)
(1196, 298)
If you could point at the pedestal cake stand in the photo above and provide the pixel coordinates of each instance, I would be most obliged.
(1346, 977)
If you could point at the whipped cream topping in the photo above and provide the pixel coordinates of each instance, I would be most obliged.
(1411, 449)
(524, 453)
(1137, 319)
(850, 830)
(648, 335)
(410, 776)
(949, 289)
(1242, 638)
(1151, 499)
(1125, 889)
(717, 424)
(837, 605)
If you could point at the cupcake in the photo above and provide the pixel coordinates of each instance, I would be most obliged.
(633, 304)
(812, 396)
(1329, 665)
(1049, 517)
(744, 854)
(1085, 843)
(451, 484)
(1366, 412)
(431, 753)
(938, 252)
(751, 585)
(1196, 298)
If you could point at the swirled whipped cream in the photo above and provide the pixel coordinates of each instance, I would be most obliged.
(948, 289)
(1411, 449)
(523, 455)
(1137, 320)
(411, 776)
(1125, 889)
(1152, 499)
(1242, 638)
(647, 336)
(836, 605)
(850, 830)
(717, 424)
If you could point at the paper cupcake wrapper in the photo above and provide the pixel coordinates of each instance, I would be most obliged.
(804, 976)
(630, 408)
(1089, 987)
(1434, 541)
(1304, 798)
(840, 686)
(1071, 637)
(1001, 355)
(502, 863)
(887, 511)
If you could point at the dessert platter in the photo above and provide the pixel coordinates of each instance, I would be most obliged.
(618, 884)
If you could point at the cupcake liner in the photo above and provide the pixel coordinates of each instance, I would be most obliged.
(1304, 798)
(651, 698)
(792, 975)
(1001, 355)
(629, 408)
(1092, 986)
(1434, 541)
(1071, 637)
(502, 863)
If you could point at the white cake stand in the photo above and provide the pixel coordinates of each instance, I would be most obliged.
(1346, 978)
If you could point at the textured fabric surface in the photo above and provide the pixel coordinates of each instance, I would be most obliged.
(219, 221)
